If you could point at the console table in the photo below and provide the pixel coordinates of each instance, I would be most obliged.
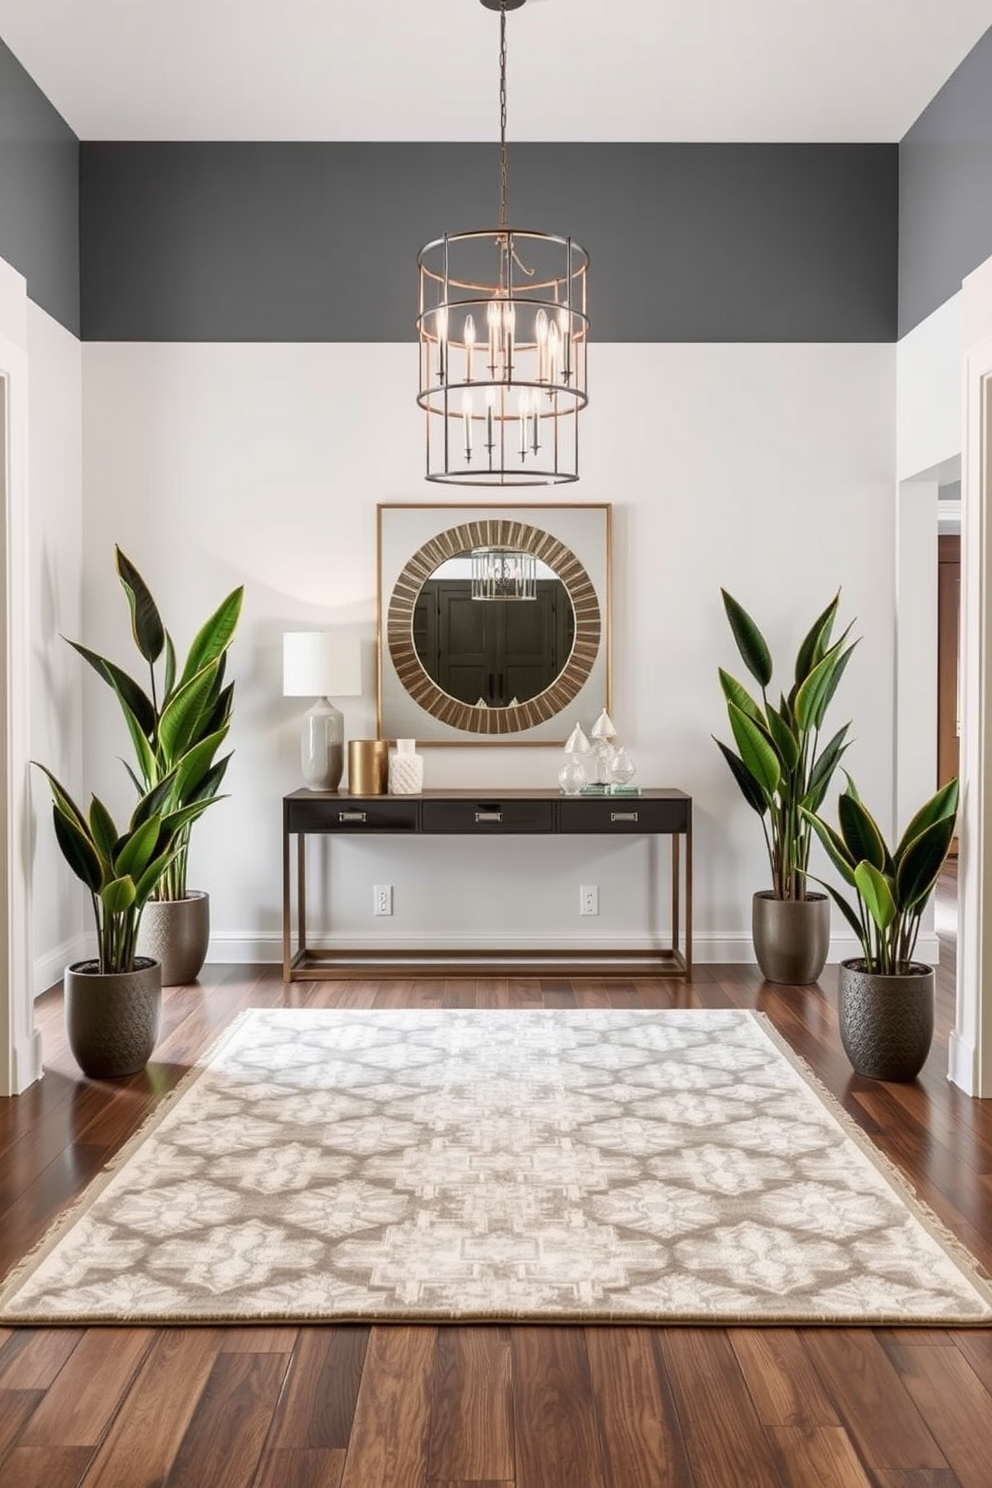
(486, 814)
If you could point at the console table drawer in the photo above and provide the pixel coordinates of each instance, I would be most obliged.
(605, 814)
(345, 814)
(488, 814)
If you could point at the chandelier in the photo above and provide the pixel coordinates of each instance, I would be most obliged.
(503, 573)
(503, 330)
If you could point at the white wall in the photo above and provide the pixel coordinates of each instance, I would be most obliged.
(56, 557)
(767, 469)
(928, 390)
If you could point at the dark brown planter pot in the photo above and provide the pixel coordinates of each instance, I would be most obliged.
(886, 1022)
(791, 936)
(112, 1018)
(177, 933)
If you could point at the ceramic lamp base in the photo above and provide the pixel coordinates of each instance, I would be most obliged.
(322, 747)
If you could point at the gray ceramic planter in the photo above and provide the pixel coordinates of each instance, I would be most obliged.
(177, 933)
(112, 1018)
(791, 936)
(886, 1022)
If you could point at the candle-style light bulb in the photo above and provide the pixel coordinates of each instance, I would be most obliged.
(467, 423)
(509, 327)
(469, 345)
(493, 320)
(523, 405)
(554, 354)
(490, 412)
(541, 338)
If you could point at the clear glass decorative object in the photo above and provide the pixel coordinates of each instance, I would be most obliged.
(406, 769)
(577, 743)
(572, 775)
(622, 768)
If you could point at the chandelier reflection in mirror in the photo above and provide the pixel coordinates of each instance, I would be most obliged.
(502, 573)
(503, 327)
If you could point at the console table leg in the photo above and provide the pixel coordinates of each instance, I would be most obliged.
(287, 958)
(688, 902)
(676, 868)
(301, 882)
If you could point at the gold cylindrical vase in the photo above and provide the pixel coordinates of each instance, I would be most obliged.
(368, 767)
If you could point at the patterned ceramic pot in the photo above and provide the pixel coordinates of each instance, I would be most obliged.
(886, 1022)
(177, 933)
(791, 936)
(112, 1018)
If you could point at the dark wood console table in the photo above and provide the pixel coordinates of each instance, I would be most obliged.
(486, 814)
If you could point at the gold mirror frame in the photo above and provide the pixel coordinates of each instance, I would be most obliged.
(505, 526)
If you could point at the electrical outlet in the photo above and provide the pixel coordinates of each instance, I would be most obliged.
(382, 899)
(589, 899)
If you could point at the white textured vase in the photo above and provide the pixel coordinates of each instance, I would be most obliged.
(406, 769)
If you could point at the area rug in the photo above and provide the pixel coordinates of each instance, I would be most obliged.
(637, 1166)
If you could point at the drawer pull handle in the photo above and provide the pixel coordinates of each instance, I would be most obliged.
(486, 816)
(352, 816)
(623, 816)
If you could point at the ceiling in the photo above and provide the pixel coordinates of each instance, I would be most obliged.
(758, 70)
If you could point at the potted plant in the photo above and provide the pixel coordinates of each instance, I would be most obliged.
(886, 998)
(177, 726)
(781, 769)
(113, 1002)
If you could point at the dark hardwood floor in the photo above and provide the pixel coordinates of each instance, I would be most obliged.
(494, 1406)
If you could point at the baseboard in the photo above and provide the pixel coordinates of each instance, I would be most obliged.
(48, 968)
(708, 947)
(962, 1063)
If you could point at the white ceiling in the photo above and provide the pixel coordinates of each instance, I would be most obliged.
(762, 70)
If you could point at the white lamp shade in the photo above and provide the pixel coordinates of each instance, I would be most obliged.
(321, 663)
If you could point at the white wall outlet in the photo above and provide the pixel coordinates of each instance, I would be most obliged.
(382, 899)
(589, 899)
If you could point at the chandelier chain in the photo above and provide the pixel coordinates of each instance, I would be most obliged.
(502, 114)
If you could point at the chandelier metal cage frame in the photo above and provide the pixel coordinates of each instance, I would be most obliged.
(503, 325)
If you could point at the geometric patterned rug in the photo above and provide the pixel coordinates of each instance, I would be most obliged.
(547, 1165)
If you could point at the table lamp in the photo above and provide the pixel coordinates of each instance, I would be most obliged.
(321, 664)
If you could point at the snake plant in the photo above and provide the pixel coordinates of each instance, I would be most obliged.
(782, 771)
(121, 869)
(892, 886)
(180, 720)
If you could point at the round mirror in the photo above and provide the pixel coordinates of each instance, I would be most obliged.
(493, 627)
(453, 684)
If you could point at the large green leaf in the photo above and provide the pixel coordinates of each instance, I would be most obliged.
(876, 894)
(170, 667)
(920, 863)
(751, 789)
(214, 635)
(181, 717)
(195, 765)
(736, 692)
(211, 782)
(833, 842)
(126, 688)
(174, 821)
(939, 806)
(139, 847)
(819, 687)
(750, 642)
(63, 800)
(823, 768)
(102, 829)
(146, 623)
(816, 641)
(860, 832)
(784, 740)
(118, 895)
(77, 849)
(756, 749)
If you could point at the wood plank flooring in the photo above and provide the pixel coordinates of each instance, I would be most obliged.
(496, 1406)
